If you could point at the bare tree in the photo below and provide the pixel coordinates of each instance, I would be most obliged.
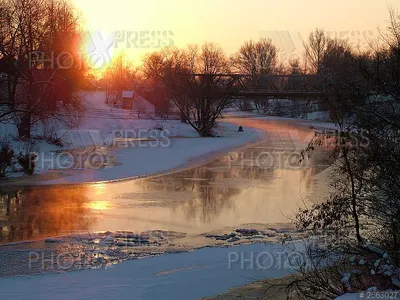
(118, 76)
(315, 49)
(294, 67)
(39, 43)
(361, 217)
(139, 107)
(256, 58)
(195, 81)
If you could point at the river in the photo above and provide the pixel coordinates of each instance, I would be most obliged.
(258, 187)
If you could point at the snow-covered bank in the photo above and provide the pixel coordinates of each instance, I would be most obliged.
(205, 272)
(292, 108)
(310, 122)
(173, 153)
(113, 144)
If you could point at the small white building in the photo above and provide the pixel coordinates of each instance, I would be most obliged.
(127, 99)
(132, 100)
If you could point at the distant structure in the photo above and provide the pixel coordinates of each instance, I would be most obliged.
(133, 101)
(127, 99)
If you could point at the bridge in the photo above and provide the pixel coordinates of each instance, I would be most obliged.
(271, 86)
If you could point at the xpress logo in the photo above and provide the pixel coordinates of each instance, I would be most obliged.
(289, 44)
(98, 48)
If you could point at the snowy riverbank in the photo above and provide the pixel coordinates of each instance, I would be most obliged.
(119, 145)
(193, 275)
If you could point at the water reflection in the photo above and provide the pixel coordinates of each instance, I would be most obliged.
(36, 213)
(230, 191)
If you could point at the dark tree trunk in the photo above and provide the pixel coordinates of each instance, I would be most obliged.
(353, 197)
(183, 117)
(24, 128)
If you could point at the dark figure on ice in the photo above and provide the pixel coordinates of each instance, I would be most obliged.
(240, 129)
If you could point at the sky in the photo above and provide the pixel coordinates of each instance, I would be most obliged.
(145, 26)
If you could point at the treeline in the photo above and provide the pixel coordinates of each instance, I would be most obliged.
(40, 63)
(355, 233)
(192, 81)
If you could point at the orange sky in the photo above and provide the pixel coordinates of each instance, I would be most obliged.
(229, 22)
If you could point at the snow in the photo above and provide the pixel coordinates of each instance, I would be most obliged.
(346, 277)
(127, 94)
(174, 147)
(317, 116)
(309, 110)
(150, 151)
(145, 160)
(309, 122)
(377, 263)
(142, 105)
(193, 275)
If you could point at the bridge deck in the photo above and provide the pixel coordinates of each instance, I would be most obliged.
(276, 94)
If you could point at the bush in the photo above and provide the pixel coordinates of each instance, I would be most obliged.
(6, 160)
(55, 141)
(27, 157)
(327, 273)
(27, 162)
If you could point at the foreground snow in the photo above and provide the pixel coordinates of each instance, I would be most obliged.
(205, 272)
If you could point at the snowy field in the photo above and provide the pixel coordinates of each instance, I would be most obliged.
(193, 275)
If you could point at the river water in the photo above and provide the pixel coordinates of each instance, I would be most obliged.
(260, 186)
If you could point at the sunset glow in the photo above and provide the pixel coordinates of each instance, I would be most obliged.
(199, 149)
(99, 205)
(229, 23)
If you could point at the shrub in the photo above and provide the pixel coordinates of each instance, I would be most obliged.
(55, 141)
(327, 273)
(27, 157)
(6, 160)
(27, 162)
